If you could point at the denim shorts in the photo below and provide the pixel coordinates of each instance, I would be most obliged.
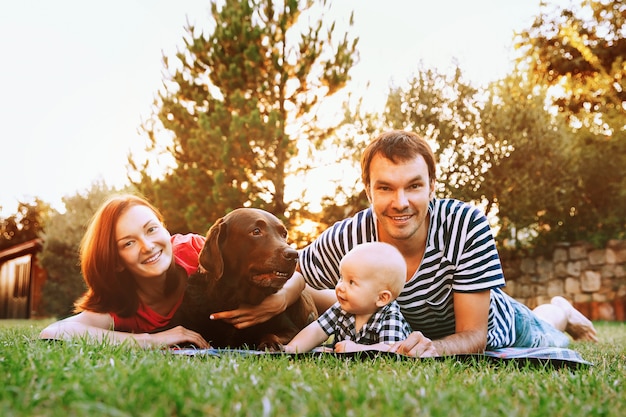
(531, 331)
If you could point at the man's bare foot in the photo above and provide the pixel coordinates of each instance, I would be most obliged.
(578, 326)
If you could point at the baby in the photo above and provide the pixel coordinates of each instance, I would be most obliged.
(366, 315)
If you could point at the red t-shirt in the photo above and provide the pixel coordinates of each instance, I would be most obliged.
(186, 249)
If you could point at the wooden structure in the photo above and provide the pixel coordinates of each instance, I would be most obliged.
(21, 280)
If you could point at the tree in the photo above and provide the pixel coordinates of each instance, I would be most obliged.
(445, 109)
(551, 164)
(533, 173)
(581, 50)
(596, 210)
(27, 224)
(238, 103)
(580, 53)
(59, 255)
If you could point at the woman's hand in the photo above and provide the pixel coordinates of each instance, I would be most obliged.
(249, 315)
(416, 345)
(176, 336)
(98, 327)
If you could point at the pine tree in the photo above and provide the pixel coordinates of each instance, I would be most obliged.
(236, 102)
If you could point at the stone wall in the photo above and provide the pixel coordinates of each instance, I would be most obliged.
(594, 280)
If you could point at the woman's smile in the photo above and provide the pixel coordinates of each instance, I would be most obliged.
(153, 258)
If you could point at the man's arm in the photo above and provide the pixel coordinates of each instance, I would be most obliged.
(471, 313)
(246, 315)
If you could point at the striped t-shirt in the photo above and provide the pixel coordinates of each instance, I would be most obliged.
(460, 256)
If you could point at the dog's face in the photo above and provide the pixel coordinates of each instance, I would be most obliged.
(245, 259)
(251, 245)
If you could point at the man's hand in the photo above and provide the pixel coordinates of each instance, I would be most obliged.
(248, 315)
(416, 345)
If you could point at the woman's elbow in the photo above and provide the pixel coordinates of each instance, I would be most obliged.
(48, 333)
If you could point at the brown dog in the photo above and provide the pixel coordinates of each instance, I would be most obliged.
(245, 258)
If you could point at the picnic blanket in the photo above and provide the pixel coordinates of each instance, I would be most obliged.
(543, 357)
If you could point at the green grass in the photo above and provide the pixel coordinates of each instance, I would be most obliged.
(39, 378)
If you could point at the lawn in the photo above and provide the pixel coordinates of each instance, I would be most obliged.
(79, 379)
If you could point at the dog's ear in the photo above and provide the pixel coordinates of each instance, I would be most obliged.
(211, 253)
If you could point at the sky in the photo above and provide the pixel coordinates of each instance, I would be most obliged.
(78, 77)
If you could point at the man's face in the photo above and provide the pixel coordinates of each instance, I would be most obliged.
(399, 194)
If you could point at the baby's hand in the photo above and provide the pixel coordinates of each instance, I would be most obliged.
(346, 346)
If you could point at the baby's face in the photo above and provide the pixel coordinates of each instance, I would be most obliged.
(357, 291)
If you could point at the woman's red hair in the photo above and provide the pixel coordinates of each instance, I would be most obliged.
(109, 290)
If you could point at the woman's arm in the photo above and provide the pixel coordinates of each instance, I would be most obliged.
(98, 327)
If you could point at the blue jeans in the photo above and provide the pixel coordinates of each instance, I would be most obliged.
(531, 331)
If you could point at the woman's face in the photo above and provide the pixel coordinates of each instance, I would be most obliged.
(143, 243)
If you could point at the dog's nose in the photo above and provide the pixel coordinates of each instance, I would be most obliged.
(290, 254)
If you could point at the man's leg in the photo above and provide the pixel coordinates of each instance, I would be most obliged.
(564, 317)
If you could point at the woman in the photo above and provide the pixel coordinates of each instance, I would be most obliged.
(136, 275)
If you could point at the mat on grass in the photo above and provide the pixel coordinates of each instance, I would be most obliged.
(543, 357)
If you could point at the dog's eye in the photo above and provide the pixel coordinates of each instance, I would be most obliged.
(256, 232)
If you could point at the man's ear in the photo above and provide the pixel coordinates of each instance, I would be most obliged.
(432, 188)
(367, 193)
(384, 298)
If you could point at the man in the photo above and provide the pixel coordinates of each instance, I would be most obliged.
(452, 297)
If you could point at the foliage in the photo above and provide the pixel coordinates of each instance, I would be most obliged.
(486, 142)
(542, 148)
(597, 204)
(579, 53)
(533, 176)
(59, 256)
(27, 224)
(581, 49)
(82, 379)
(503, 148)
(445, 109)
(238, 104)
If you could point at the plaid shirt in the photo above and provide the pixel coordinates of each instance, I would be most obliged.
(387, 325)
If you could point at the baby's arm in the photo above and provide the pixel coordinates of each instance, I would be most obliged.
(310, 337)
(350, 346)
